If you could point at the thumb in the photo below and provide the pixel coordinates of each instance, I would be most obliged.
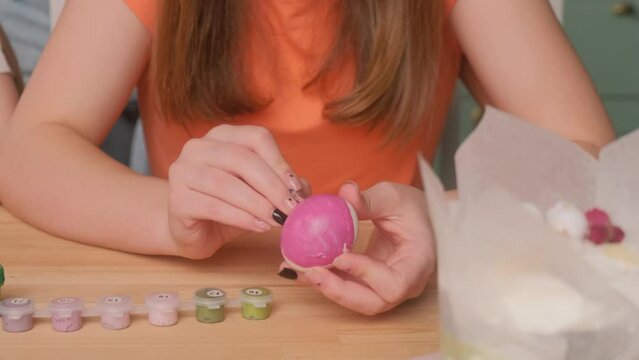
(377, 202)
(350, 192)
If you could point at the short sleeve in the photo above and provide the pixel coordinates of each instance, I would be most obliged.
(147, 11)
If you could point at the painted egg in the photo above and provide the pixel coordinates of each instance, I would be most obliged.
(318, 230)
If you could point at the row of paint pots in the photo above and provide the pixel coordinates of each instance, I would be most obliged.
(67, 313)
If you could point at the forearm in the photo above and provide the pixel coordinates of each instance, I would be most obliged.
(85, 196)
(527, 67)
(8, 99)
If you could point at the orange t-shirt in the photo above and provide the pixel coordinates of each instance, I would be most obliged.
(324, 153)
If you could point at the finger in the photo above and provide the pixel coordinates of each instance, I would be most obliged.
(349, 191)
(302, 279)
(393, 284)
(305, 281)
(261, 141)
(195, 205)
(307, 190)
(286, 271)
(348, 294)
(233, 191)
(379, 201)
(245, 164)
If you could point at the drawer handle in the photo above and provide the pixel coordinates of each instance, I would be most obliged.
(623, 9)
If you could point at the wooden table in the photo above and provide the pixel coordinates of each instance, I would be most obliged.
(303, 324)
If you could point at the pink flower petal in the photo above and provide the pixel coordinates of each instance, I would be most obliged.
(597, 217)
(617, 235)
(598, 235)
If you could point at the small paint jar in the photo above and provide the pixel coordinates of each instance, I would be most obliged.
(163, 308)
(17, 314)
(66, 313)
(209, 305)
(115, 312)
(256, 303)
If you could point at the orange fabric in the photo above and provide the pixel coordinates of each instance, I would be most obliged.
(324, 153)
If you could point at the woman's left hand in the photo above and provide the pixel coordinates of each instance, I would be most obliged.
(398, 261)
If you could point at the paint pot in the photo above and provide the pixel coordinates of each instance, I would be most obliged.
(209, 305)
(17, 314)
(256, 303)
(66, 313)
(163, 308)
(115, 311)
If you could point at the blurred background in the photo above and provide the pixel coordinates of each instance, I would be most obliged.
(605, 33)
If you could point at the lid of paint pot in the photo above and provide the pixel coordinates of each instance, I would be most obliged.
(66, 305)
(212, 298)
(117, 304)
(1, 275)
(161, 300)
(16, 307)
(256, 295)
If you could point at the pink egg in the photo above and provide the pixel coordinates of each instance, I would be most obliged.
(317, 231)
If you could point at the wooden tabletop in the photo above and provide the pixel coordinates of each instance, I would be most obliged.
(303, 324)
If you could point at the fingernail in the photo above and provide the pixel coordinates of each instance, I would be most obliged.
(292, 180)
(262, 225)
(296, 194)
(291, 203)
(279, 217)
(353, 183)
(287, 273)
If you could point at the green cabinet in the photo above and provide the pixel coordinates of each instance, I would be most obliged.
(463, 116)
(608, 44)
(605, 34)
(625, 114)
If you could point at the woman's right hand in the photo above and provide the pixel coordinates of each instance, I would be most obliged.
(231, 181)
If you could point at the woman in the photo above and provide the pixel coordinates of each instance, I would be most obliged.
(239, 97)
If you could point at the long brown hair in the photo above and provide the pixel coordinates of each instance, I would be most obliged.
(7, 50)
(395, 43)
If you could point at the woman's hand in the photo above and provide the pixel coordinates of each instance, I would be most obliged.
(400, 257)
(232, 180)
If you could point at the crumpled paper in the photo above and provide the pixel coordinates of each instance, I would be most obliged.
(510, 286)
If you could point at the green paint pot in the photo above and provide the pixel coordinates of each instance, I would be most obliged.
(209, 305)
(256, 303)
